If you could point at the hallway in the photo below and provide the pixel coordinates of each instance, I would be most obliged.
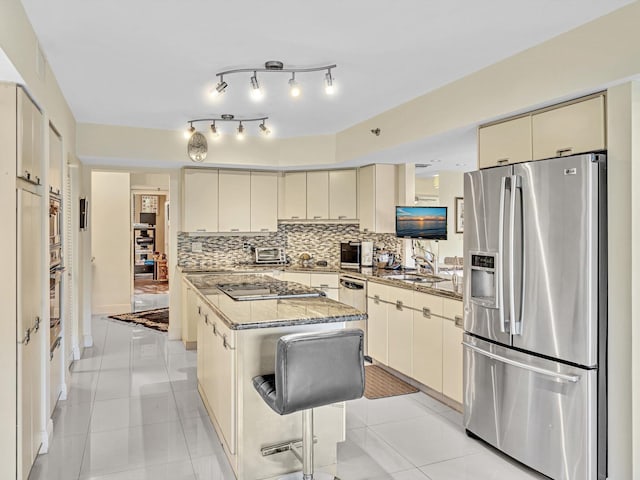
(134, 413)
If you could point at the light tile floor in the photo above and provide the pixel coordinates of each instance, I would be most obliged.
(134, 413)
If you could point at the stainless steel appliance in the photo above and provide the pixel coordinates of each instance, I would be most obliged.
(353, 292)
(350, 255)
(270, 255)
(535, 313)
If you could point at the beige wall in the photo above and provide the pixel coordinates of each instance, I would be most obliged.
(426, 186)
(111, 242)
(451, 185)
(635, 276)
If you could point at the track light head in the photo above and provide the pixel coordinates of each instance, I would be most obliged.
(240, 134)
(294, 87)
(328, 83)
(214, 131)
(189, 131)
(264, 129)
(256, 92)
(219, 88)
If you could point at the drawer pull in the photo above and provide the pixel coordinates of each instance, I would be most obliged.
(293, 217)
(502, 160)
(399, 304)
(206, 319)
(324, 285)
(199, 310)
(315, 217)
(376, 298)
(215, 328)
(341, 217)
(201, 229)
(458, 321)
(426, 312)
(225, 344)
(264, 229)
(235, 229)
(27, 337)
(561, 151)
(36, 326)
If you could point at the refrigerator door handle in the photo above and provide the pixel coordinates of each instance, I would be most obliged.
(516, 320)
(500, 292)
(524, 366)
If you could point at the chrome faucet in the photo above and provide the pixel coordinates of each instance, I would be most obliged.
(429, 259)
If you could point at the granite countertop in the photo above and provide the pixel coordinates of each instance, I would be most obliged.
(443, 288)
(251, 314)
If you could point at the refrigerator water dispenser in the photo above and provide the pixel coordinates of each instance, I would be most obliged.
(484, 277)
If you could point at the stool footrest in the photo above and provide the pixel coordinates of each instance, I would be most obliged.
(293, 446)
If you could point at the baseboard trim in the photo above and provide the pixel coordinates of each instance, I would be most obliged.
(46, 437)
(88, 342)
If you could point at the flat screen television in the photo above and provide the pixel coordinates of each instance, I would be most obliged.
(148, 218)
(429, 223)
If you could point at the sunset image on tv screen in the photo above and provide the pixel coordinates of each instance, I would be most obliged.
(422, 222)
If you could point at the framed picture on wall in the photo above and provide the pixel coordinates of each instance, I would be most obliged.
(459, 214)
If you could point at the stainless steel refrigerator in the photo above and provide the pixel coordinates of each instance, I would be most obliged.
(535, 308)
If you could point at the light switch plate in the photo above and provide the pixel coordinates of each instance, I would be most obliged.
(196, 247)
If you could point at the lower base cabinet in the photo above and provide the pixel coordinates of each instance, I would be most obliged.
(417, 334)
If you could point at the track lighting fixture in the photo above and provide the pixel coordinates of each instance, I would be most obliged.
(276, 66)
(294, 87)
(256, 93)
(240, 131)
(189, 131)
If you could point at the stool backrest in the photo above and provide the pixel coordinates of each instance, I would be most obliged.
(315, 369)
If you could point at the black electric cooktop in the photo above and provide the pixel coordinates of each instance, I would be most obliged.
(268, 290)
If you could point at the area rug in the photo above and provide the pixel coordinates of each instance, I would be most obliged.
(379, 383)
(158, 319)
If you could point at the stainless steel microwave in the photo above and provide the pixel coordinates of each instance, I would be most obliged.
(350, 255)
(270, 255)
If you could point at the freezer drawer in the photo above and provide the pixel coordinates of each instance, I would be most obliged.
(537, 411)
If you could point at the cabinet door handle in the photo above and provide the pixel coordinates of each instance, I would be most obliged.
(458, 321)
(27, 337)
(206, 319)
(324, 285)
(426, 312)
(376, 298)
(561, 151)
(199, 310)
(235, 229)
(341, 217)
(293, 217)
(38, 180)
(502, 160)
(399, 304)
(36, 325)
(201, 229)
(225, 344)
(215, 328)
(264, 229)
(365, 229)
(315, 217)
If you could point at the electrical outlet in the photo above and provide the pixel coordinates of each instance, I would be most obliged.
(196, 247)
(246, 246)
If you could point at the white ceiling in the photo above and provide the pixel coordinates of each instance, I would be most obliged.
(150, 63)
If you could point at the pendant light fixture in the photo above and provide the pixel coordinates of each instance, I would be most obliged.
(276, 66)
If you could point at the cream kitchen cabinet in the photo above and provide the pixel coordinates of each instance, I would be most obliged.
(293, 189)
(264, 201)
(327, 282)
(234, 201)
(377, 198)
(452, 330)
(30, 138)
(343, 194)
(298, 277)
(377, 323)
(199, 200)
(427, 340)
(505, 142)
(400, 329)
(318, 195)
(55, 161)
(218, 376)
(574, 128)
(189, 314)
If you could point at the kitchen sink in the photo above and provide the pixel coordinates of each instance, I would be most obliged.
(413, 277)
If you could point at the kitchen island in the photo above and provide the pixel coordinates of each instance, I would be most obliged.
(236, 341)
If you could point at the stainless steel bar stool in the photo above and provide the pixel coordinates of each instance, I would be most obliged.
(312, 370)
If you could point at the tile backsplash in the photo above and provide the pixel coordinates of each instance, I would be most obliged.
(320, 240)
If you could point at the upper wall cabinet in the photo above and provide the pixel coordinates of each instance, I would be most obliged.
(264, 201)
(566, 129)
(294, 196)
(30, 145)
(343, 194)
(574, 128)
(318, 195)
(199, 200)
(55, 161)
(506, 142)
(377, 198)
(234, 201)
